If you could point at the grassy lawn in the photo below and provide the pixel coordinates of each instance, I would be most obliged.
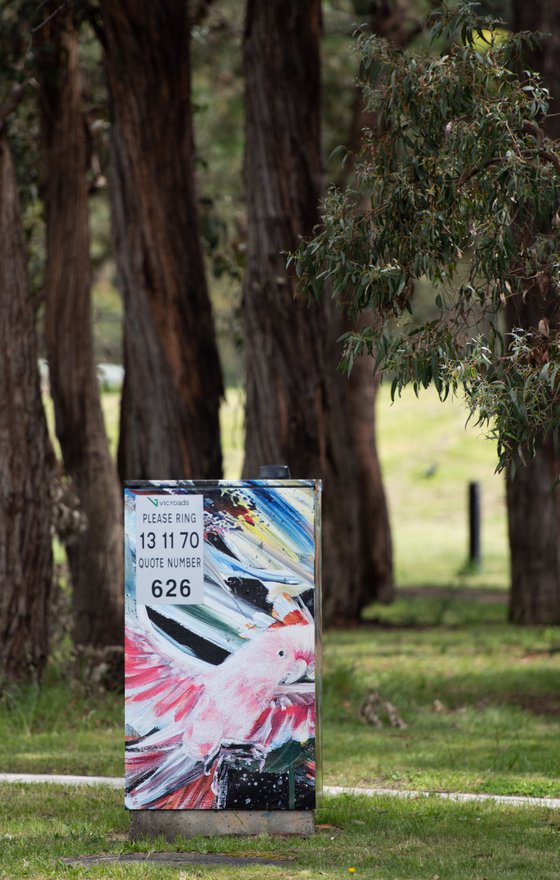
(480, 699)
(498, 716)
(481, 703)
(61, 729)
(428, 458)
(380, 838)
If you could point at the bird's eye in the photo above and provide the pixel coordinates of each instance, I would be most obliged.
(281, 653)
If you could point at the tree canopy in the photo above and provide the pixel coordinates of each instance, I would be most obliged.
(456, 184)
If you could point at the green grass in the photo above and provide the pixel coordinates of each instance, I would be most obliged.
(111, 401)
(480, 700)
(496, 725)
(428, 458)
(495, 729)
(232, 428)
(60, 729)
(380, 838)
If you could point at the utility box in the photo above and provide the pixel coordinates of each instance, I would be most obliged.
(222, 619)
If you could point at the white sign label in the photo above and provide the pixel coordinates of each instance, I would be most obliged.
(169, 549)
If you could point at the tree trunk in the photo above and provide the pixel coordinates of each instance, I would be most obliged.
(543, 17)
(376, 546)
(394, 20)
(533, 506)
(173, 382)
(26, 459)
(95, 554)
(533, 503)
(299, 409)
(534, 525)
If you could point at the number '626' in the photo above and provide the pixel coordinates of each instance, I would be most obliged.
(169, 590)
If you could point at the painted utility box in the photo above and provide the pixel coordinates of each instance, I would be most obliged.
(222, 597)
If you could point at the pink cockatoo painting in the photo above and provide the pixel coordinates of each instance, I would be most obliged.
(220, 695)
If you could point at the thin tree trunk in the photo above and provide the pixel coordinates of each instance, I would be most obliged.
(298, 407)
(533, 505)
(26, 459)
(173, 381)
(95, 554)
(394, 20)
(376, 546)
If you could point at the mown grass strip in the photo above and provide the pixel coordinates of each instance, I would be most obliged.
(380, 838)
(480, 700)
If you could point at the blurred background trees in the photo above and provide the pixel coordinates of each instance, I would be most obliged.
(298, 408)
(168, 157)
(94, 551)
(459, 185)
(173, 382)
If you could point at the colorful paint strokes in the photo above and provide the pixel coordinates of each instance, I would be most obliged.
(220, 676)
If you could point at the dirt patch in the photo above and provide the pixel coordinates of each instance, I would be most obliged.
(180, 858)
(539, 704)
(486, 597)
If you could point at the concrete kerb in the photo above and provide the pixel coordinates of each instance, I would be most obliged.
(117, 782)
(460, 797)
(54, 779)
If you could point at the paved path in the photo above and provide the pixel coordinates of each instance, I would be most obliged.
(111, 781)
(461, 797)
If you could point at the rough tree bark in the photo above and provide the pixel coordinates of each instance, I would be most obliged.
(26, 459)
(394, 20)
(95, 555)
(299, 409)
(532, 501)
(376, 546)
(543, 17)
(533, 506)
(173, 382)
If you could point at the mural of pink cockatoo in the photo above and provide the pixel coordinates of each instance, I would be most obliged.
(206, 719)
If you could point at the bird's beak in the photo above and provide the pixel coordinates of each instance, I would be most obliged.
(299, 670)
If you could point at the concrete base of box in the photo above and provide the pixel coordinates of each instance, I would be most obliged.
(189, 823)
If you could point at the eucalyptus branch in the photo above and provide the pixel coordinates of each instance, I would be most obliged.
(477, 169)
(438, 116)
(550, 157)
(53, 14)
